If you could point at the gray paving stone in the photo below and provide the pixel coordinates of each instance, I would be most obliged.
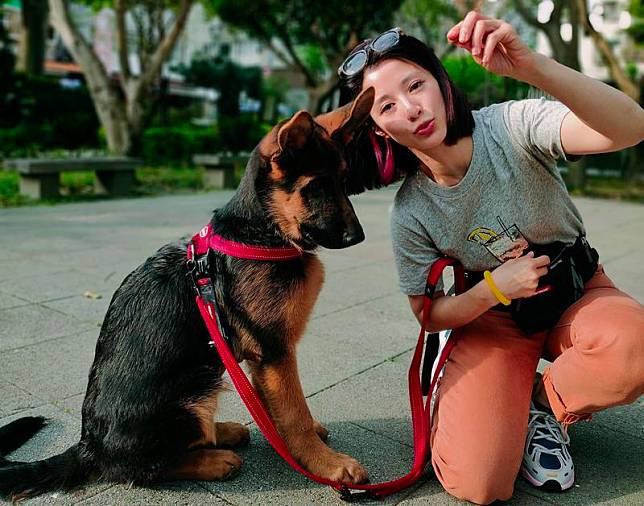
(376, 400)
(86, 309)
(628, 419)
(27, 325)
(266, 479)
(52, 370)
(10, 301)
(339, 347)
(108, 259)
(360, 284)
(12, 271)
(179, 493)
(57, 285)
(335, 261)
(15, 399)
(627, 278)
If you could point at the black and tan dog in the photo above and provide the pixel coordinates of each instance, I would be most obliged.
(148, 413)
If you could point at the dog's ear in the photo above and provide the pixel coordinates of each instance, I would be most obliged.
(294, 134)
(343, 122)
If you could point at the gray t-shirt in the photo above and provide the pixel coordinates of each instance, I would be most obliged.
(511, 192)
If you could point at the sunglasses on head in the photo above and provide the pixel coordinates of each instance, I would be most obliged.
(357, 60)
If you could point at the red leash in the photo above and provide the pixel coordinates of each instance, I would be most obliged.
(420, 411)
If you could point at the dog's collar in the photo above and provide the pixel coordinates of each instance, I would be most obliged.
(205, 239)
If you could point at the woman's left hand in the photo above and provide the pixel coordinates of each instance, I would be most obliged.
(493, 44)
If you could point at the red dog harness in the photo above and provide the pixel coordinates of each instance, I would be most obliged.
(420, 411)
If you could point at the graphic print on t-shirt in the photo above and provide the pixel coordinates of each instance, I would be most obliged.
(504, 245)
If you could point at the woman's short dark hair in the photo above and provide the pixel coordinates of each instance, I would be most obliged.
(460, 122)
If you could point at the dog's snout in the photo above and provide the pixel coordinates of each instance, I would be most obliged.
(351, 237)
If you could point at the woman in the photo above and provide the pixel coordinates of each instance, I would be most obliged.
(483, 187)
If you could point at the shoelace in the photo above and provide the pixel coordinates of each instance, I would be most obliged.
(546, 427)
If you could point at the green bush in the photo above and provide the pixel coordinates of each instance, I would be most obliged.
(9, 196)
(46, 116)
(241, 133)
(155, 180)
(25, 140)
(481, 87)
(176, 145)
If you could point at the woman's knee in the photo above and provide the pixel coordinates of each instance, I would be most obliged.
(615, 344)
(624, 382)
(479, 486)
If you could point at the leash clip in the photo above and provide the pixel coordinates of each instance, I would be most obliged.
(199, 272)
(347, 495)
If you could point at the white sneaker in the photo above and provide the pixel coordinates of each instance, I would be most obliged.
(547, 464)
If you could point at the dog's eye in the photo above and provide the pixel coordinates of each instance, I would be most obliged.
(316, 188)
(314, 185)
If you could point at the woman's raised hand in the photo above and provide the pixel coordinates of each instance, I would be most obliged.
(493, 44)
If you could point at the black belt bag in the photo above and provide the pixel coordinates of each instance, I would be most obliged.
(571, 266)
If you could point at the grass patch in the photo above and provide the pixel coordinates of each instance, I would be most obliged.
(9, 190)
(159, 180)
(612, 188)
(79, 186)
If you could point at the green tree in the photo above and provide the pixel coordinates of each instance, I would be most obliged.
(222, 74)
(123, 106)
(430, 20)
(311, 38)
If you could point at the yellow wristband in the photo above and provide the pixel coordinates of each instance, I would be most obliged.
(495, 290)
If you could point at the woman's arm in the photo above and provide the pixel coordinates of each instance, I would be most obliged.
(602, 119)
(516, 278)
(454, 312)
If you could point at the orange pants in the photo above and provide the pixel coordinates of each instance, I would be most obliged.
(481, 415)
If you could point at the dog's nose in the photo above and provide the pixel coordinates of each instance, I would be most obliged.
(352, 237)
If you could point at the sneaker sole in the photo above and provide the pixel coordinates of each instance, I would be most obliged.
(549, 485)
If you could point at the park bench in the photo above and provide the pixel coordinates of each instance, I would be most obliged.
(39, 177)
(219, 169)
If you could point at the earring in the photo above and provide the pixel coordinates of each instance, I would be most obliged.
(386, 166)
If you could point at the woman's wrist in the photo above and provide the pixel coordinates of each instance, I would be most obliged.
(531, 71)
(483, 295)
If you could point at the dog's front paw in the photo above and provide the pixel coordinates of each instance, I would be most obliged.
(320, 430)
(348, 470)
(336, 466)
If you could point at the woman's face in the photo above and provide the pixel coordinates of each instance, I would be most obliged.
(408, 104)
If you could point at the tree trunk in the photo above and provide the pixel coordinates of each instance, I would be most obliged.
(120, 107)
(320, 93)
(117, 129)
(33, 37)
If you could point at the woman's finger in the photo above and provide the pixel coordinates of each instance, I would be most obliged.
(482, 27)
(542, 261)
(542, 271)
(493, 39)
(468, 26)
(452, 34)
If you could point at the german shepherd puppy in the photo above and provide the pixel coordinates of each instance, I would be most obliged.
(148, 413)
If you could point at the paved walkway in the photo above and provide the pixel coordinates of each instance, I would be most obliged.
(353, 358)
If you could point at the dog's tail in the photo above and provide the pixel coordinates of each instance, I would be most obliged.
(19, 480)
(18, 432)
